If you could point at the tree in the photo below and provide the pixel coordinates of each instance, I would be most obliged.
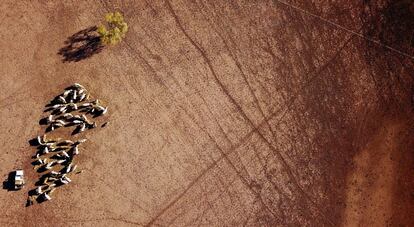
(116, 30)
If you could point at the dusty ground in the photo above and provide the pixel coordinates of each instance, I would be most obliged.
(256, 113)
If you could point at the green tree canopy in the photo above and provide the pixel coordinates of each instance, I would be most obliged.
(116, 29)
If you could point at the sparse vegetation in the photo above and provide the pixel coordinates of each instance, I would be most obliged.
(115, 30)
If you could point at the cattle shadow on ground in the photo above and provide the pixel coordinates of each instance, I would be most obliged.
(81, 45)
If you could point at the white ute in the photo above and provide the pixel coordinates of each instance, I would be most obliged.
(18, 179)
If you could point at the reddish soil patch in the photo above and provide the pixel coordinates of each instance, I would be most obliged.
(261, 113)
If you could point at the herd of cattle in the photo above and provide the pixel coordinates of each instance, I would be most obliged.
(54, 158)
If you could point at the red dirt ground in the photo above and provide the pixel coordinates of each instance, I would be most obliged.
(223, 113)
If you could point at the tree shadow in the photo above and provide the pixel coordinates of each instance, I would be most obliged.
(81, 45)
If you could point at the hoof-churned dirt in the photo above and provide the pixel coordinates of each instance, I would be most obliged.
(223, 113)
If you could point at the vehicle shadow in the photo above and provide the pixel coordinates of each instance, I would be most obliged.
(81, 45)
(8, 183)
